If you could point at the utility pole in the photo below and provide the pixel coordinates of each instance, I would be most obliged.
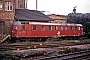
(36, 5)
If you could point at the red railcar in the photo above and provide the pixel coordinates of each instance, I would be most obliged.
(45, 30)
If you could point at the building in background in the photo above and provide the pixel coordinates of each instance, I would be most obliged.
(21, 4)
(79, 18)
(58, 18)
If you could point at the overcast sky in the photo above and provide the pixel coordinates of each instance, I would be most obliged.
(62, 7)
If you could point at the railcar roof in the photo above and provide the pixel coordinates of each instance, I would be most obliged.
(39, 23)
(42, 23)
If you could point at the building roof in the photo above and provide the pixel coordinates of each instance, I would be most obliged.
(30, 15)
(57, 15)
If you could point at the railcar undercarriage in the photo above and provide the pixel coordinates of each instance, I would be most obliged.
(45, 39)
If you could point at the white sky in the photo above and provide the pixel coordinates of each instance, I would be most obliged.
(62, 7)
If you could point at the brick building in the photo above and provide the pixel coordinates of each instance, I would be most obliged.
(13, 10)
(21, 4)
(7, 13)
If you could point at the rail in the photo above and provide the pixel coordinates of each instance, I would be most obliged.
(67, 56)
(4, 38)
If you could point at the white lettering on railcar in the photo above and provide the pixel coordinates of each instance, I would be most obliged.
(58, 33)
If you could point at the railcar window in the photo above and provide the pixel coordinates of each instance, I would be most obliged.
(66, 28)
(34, 27)
(61, 28)
(24, 22)
(50, 27)
(15, 27)
(71, 28)
(78, 28)
(43, 27)
(23, 28)
(55, 27)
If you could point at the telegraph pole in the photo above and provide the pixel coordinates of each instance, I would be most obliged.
(36, 5)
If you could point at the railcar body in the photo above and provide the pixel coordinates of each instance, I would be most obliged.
(45, 30)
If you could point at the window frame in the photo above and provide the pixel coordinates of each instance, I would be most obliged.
(55, 27)
(66, 28)
(34, 27)
(71, 27)
(8, 6)
(61, 27)
(23, 28)
(15, 27)
(2, 24)
(1, 6)
(50, 28)
(76, 28)
(42, 28)
(79, 28)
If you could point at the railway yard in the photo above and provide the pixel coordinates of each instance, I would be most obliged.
(39, 35)
(49, 50)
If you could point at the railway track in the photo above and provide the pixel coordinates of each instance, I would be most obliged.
(17, 46)
(43, 51)
(69, 56)
(39, 45)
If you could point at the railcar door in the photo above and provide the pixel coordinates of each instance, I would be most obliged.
(23, 31)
